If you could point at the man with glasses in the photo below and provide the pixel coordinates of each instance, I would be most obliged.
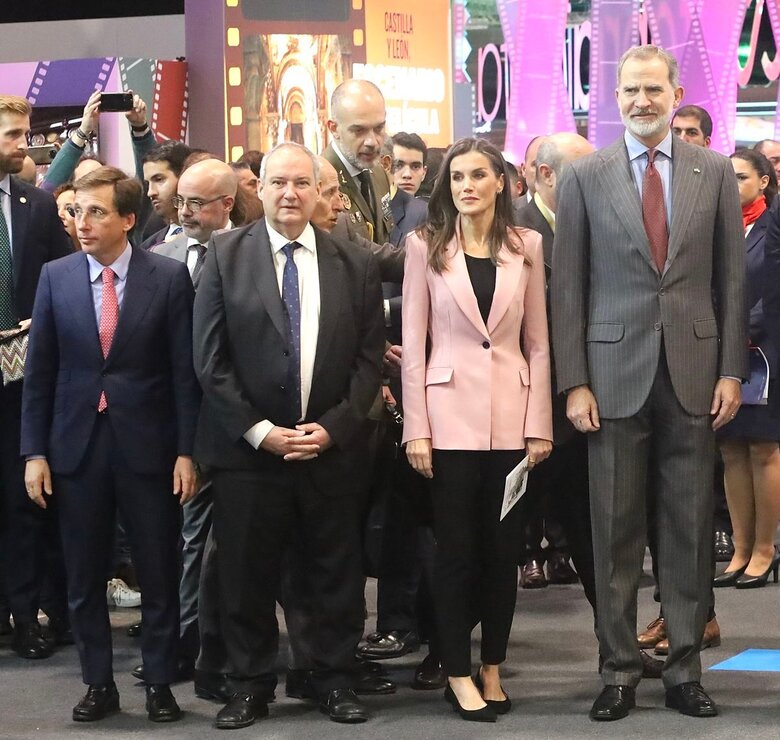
(206, 195)
(108, 423)
(31, 234)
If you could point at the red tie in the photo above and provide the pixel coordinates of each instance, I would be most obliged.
(109, 315)
(654, 212)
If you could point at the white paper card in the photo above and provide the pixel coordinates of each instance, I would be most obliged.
(514, 487)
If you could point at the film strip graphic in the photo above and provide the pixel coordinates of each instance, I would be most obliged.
(67, 80)
(170, 101)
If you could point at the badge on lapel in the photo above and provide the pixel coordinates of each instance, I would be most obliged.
(387, 213)
(22, 199)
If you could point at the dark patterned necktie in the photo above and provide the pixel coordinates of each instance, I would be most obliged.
(654, 212)
(8, 319)
(292, 306)
(367, 191)
(198, 267)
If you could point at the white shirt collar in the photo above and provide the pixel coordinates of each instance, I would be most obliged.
(353, 171)
(306, 239)
(119, 266)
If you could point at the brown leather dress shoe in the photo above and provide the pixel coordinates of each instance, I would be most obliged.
(532, 574)
(710, 638)
(655, 632)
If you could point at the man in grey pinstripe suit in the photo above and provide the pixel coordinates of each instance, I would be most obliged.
(650, 337)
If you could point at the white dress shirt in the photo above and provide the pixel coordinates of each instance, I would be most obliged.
(309, 294)
(5, 204)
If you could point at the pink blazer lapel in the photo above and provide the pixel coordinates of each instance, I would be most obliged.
(456, 277)
(508, 274)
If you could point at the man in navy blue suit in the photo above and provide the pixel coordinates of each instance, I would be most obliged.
(109, 408)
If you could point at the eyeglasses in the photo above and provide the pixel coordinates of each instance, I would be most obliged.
(194, 204)
(95, 213)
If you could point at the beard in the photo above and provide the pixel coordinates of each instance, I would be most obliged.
(645, 129)
(355, 161)
(11, 164)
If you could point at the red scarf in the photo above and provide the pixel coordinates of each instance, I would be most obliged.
(752, 211)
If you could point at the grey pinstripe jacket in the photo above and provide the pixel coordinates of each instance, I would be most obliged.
(611, 308)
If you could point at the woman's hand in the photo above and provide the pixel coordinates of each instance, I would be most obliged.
(537, 450)
(419, 454)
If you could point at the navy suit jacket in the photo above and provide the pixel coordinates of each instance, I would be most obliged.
(38, 237)
(408, 214)
(148, 376)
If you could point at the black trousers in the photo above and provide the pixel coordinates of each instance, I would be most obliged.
(255, 513)
(563, 480)
(476, 554)
(30, 551)
(88, 501)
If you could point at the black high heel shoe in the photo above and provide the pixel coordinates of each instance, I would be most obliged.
(729, 578)
(485, 714)
(745, 581)
(501, 707)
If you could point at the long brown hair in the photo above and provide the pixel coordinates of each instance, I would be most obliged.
(439, 229)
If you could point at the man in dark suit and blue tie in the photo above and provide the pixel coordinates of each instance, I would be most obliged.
(289, 338)
(31, 234)
(108, 422)
(650, 338)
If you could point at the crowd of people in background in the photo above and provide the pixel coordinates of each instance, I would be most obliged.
(258, 383)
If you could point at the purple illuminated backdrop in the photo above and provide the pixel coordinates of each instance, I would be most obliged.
(704, 36)
(538, 100)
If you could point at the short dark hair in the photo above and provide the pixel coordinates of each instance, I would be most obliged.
(759, 145)
(763, 167)
(173, 153)
(411, 141)
(240, 166)
(127, 190)
(700, 114)
(66, 187)
(253, 158)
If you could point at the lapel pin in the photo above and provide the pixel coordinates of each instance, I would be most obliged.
(22, 199)
(696, 171)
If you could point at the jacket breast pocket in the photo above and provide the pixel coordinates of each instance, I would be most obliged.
(605, 332)
(436, 375)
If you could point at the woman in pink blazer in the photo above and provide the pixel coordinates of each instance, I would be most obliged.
(476, 387)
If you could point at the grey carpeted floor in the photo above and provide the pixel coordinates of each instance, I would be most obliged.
(551, 677)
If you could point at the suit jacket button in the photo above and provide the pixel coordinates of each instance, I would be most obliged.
(286, 353)
(282, 388)
(657, 326)
(486, 344)
(103, 374)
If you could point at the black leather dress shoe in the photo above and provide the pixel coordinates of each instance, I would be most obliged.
(160, 704)
(60, 632)
(691, 699)
(184, 672)
(391, 645)
(368, 683)
(213, 686)
(30, 643)
(613, 703)
(429, 675)
(99, 701)
(134, 630)
(559, 570)
(342, 705)
(651, 668)
(298, 684)
(724, 547)
(241, 711)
